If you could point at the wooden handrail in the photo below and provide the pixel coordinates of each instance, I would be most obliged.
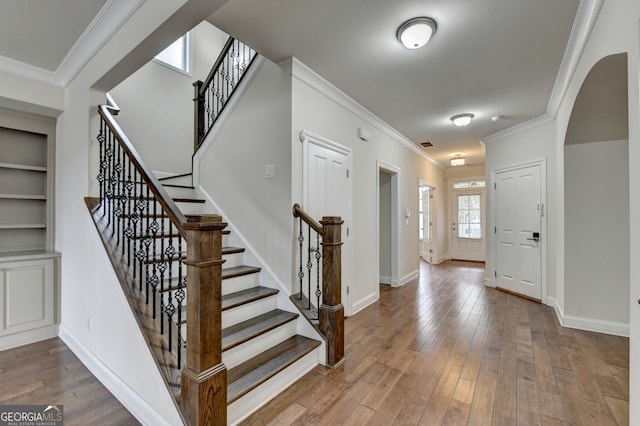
(298, 212)
(216, 65)
(107, 112)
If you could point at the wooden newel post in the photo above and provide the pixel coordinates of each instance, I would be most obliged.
(331, 310)
(204, 377)
(198, 114)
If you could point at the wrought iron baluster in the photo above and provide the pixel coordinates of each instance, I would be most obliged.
(155, 280)
(309, 267)
(318, 256)
(180, 295)
(300, 271)
(170, 308)
(162, 267)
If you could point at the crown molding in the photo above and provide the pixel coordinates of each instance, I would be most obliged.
(535, 122)
(105, 24)
(586, 17)
(23, 69)
(583, 24)
(306, 75)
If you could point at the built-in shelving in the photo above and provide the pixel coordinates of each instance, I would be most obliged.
(29, 266)
(25, 189)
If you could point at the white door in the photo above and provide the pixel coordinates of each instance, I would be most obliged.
(426, 222)
(518, 224)
(328, 194)
(467, 225)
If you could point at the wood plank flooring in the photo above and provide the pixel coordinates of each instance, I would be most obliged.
(446, 350)
(48, 372)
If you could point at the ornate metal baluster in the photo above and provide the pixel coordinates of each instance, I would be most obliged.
(300, 271)
(129, 231)
(162, 267)
(101, 175)
(318, 291)
(170, 308)
(155, 280)
(180, 295)
(309, 267)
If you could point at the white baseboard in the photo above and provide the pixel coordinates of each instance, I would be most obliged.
(385, 280)
(588, 324)
(26, 337)
(407, 278)
(364, 302)
(489, 283)
(123, 393)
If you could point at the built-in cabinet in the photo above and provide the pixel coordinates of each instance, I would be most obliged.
(29, 295)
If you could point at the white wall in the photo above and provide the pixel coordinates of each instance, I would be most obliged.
(385, 227)
(157, 104)
(597, 231)
(323, 110)
(616, 30)
(257, 134)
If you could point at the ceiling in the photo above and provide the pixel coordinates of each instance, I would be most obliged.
(489, 58)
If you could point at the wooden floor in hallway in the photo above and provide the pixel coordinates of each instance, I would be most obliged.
(446, 350)
(48, 373)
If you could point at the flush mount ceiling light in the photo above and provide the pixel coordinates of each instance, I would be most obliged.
(457, 160)
(462, 120)
(416, 32)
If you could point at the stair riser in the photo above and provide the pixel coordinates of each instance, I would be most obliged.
(233, 259)
(243, 282)
(180, 192)
(249, 310)
(253, 347)
(252, 401)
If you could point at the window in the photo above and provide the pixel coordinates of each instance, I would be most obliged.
(469, 184)
(469, 225)
(176, 55)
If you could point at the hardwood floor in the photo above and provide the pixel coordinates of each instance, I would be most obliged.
(446, 350)
(48, 372)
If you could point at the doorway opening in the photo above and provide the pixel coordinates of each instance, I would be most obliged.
(388, 223)
(426, 209)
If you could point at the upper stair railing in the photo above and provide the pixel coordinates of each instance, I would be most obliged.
(169, 266)
(212, 95)
(321, 283)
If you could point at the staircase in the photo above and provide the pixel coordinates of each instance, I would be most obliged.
(260, 345)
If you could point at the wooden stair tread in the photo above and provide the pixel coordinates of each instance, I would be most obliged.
(246, 296)
(252, 373)
(254, 327)
(189, 200)
(173, 185)
(232, 250)
(238, 271)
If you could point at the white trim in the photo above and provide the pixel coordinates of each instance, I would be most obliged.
(589, 324)
(586, 16)
(583, 24)
(106, 23)
(364, 302)
(306, 75)
(306, 137)
(409, 277)
(385, 280)
(543, 220)
(29, 71)
(518, 128)
(121, 390)
(230, 106)
(396, 215)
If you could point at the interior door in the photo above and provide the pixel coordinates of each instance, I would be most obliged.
(426, 222)
(328, 195)
(467, 225)
(518, 223)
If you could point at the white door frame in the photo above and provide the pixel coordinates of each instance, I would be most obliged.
(394, 171)
(432, 216)
(307, 138)
(543, 221)
(450, 209)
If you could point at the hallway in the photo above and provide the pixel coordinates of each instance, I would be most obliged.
(445, 349)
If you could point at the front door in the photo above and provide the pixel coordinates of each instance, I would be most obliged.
(519, 210)
(467, 225)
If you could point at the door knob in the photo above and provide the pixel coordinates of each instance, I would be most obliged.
(536, 237)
